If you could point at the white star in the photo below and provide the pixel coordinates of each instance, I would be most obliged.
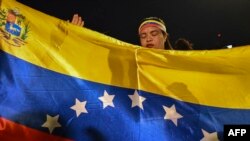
(209, 136)
(79, 107)
(51, 123)
(171, 114)
(137, 100)
(107, 100)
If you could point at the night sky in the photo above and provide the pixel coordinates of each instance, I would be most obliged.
(208, 24)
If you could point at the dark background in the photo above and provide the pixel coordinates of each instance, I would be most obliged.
(208, 24)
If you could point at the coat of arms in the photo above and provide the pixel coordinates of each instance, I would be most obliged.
(13, 27)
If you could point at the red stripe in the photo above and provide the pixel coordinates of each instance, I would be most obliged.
(10, 131)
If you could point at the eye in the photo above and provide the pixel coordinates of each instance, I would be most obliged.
(143, 35)
(155, 33)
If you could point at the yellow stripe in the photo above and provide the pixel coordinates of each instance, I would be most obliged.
(216, 78)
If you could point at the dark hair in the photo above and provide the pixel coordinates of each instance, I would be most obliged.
(153, 18)
(183, 44)
(168, 44)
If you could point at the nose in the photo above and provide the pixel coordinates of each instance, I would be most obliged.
(149, 38)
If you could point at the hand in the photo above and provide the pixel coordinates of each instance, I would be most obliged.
(77, 20)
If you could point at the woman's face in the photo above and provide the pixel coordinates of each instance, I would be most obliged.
(152, 37)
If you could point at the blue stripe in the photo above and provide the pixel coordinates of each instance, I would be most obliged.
(28, 93)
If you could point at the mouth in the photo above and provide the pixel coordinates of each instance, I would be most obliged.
(150, 45)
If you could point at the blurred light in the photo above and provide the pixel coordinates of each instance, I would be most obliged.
(219, 35)
(229, 46)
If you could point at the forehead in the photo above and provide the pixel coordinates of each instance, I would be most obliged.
(149, 29)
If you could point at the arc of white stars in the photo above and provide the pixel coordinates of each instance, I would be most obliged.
(52, 123)
(107, 99)
(172, 114)
(209, 136)
(79, 107)
(137, 100)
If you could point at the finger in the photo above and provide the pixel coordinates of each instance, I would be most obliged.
(75, 19)
(79, 21)
(82, 24)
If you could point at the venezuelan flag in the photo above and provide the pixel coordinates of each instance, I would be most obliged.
(59, 81)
